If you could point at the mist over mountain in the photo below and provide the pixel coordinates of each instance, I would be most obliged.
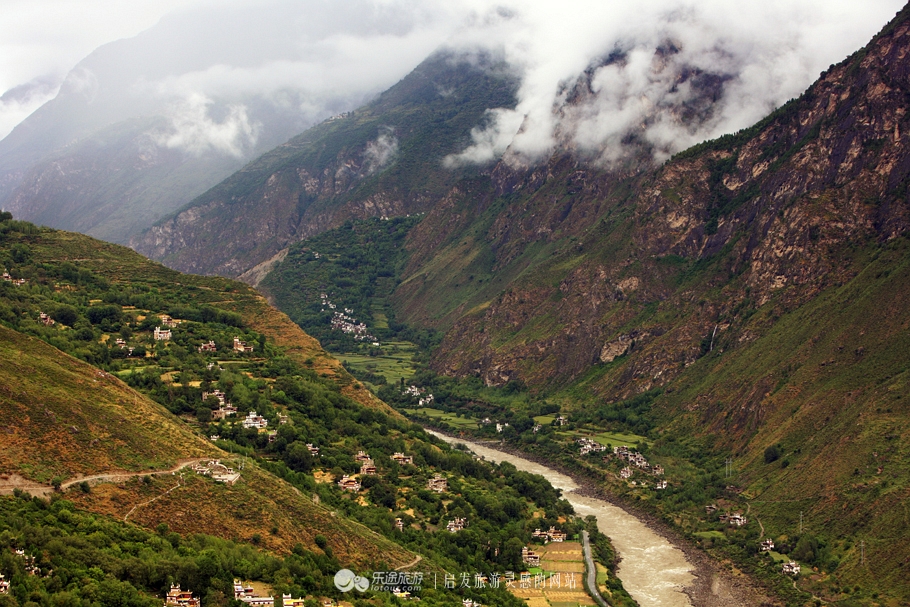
(142, 126)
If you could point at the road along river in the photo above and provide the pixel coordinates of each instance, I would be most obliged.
(652, 570)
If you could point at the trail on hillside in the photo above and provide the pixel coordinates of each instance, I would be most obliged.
(411, 564)
(14, 481)
(146, 503)
(117, 477)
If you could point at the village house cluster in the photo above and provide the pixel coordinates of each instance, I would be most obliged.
(627, 454)
(367, 465)
(176, 597)
(16, 281)
(499, 426)
(225, 408)
(242, 346)
(344, 322)
(551, 535)
(529, 557)
(368, 468)
(423, 398)
(349, 483)
(254, 420)
(456, 524)
(736, 519)
(439, 484)
(30, 566)
(167, 321)
(217, 471)
(589, 445)
(401, 459)
(247, 594)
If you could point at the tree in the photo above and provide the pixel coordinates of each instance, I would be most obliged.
(511, 554)
(21, 253)
(98, 314)
(65, 314)
(772, 454)
(298, 457)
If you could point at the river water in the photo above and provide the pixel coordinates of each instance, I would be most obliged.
(652, 570)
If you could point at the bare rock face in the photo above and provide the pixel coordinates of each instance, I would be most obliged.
(616, 348)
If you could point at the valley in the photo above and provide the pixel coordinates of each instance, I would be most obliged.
(210, 415)
(407, 344)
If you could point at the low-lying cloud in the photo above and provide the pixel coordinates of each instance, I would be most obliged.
(194, 129)
(604, 80)
(610, 81)
(20, 101)
(380, 152)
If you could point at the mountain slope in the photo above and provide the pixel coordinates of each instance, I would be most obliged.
(381, 160)
(114, 182)
(746, 295)
(141, 126)
(766, 215)
(55, 409)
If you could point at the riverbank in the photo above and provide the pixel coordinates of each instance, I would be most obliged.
(714, 584)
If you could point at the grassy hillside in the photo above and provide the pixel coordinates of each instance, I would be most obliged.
(260, 510)
(55, 409)
(356, 267)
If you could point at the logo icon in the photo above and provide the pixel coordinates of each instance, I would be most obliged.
(346, 580)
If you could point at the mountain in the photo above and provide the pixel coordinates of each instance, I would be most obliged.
(383, 159)
(143, 125)
(742, 301)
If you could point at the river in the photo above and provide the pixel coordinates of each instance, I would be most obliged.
(652, 570)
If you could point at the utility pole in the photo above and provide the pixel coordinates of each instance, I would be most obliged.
(862, 552)
(800, 522)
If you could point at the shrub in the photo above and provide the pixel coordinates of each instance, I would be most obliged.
(772, 454)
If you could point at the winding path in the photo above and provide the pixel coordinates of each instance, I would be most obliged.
(13, 482)
(411, 564)
(133, 509)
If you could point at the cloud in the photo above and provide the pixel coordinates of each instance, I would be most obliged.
(613, 81)
(598, 78)
(380, 152)
(20, 101)
(194, 130)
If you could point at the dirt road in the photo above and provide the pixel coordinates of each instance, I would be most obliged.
(11, 482)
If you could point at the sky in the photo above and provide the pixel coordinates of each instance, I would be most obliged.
(670, 72)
